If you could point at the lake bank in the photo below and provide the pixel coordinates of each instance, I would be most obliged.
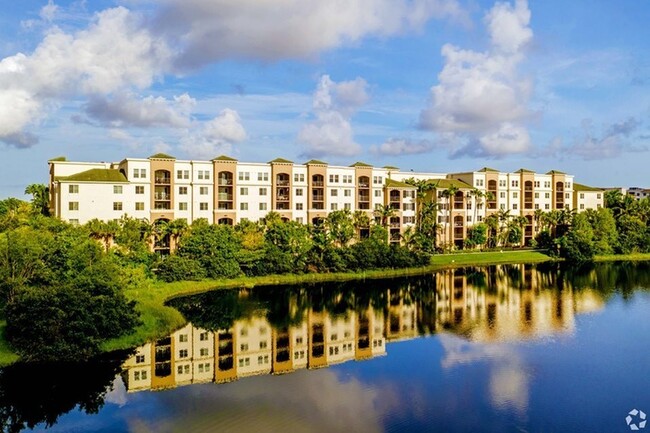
(159, 320)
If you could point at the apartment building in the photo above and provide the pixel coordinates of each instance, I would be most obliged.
(227, 191)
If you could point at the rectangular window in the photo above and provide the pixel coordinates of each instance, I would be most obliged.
(334, 206)
(243, 347)
(203, 190)
(182, 190)
(334, 193)
(136, 173)
(262, 191)
(515, 195)
(547, 184)
(182, 206)
(139, 359)
(203, 336)
(139, 205)
(347, 206)
(186, 174)
(408, 220)
(377, 193)
(547, 195)
(243, 191)
(182, 353)
(244, 175)
(536, 195)
(347, 193)
(334, 178)
(263, 177)
(582, 195)
(117, 189)
(536, 184)
(263, 344)
(182, 338)
(546, 206)
(378, 180)
(502, 184)
(536, 205)
(263, 206)
(515, 184)
(117, 205)
(502, 195)
(203, 206)
(298, 206)
(299, 220)
(298, 192)
(74, 221)
(243, 206)
(567, 195)
(143, 173)
(514, 206)
(139, 189)
(73, 189)
(179, 174)
(204, 352)
(598, 196)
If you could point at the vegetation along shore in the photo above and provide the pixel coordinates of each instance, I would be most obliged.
(69, 291)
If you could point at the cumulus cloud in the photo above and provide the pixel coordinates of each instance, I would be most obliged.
(614, 140)
(205, 31)
(216, 136)
(480, 97)
(333, 105)
(126, 109)
(113, 53)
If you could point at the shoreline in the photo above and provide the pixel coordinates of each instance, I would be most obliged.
(159, 320)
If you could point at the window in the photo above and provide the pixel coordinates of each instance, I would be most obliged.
(547, 184)
(582, 195)
(243, 206)
(182, 174)
(139, 359)
(263, 206)
(136, 172)
(567, 195)
(243, 191)
(515, 195)
(514, 206)
(203, 190)
(204, 352)
(334, 178)
(502, 184)
(117, 205)
(298, 340)
(347, 206)
(73, 189)
(377, 180)
(377, 193)
(204, 174)
(568, 185)
(298, 206)
(244, 175)
(334, 206)
(547, 195)
(334, 193)
(536, 205)
(139, 189)
(502, 195)
(243, 332)
(408, 194)
(203, 336)
(408, 220)
(299, 220)
(117, 189)
(182, 338)
(347, 193)
(243, 347)
(263, 177)
(299, 177)
(582, 206)
(139, 173)
(546, 206)
(536, 184)
(503, 206)
(347, 178)
(139, 205)
(408, 206)
(74, 221)
(536, 195)
(298, 192)
(263, 344)
(182, 353)
(182, 206)
(203, 206)
(479, 182)
(262, 191)
(515, 184)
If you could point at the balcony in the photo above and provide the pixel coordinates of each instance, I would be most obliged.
(282, 205)
(364, 185)
(162, 180)
(162, 205)
(364, 197)
(224, 206)
(225, 182)
(317, 183)
(363, 206)
(394, 225)
(317, 198)
(282, 183)
(162, 196)
(458, 233)
(458, 205)
(283, 198)
(225, 196)
(318, 206)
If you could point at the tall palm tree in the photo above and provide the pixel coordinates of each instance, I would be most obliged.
(40, 198)
(384, 213)
(361, 221)
(478, 199)
(448, 194)
(177, 229)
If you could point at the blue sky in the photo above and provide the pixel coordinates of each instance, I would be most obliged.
(428, 85)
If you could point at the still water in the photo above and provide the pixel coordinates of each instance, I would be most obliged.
(494, 349)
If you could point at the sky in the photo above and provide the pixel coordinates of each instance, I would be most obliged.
(425, 85)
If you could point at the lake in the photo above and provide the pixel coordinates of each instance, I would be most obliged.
(521, 348)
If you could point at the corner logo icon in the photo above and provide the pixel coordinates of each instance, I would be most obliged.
(635, 419)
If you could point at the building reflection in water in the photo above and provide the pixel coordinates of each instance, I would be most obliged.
(497, 303)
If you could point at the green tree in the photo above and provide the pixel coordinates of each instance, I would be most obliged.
(40, 198)
(340, 226)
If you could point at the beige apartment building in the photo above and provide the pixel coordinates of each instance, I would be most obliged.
(227, 191)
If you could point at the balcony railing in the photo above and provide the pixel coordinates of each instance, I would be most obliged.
(282, 183)
(364, 185)
(224, 206)
(394, 225)
(225, 181)
(163, 180)
(281, 198)
(364, 197)
(364, 205)
(317, 183)
(162, 205)
(317, 198)
(225, 196)
(161, 196)
(458, 205)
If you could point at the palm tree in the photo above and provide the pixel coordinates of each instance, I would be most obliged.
(384, 213)
(448, 194)
(361, 221)
(177, 229)
(478, 199)
(503, 215)
(40, 198)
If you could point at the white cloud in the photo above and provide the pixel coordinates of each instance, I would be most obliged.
(333, 105)
(215, 137)
(402, 146)
(479, 96)
(49, 11)
(126, 109)
(209, 30)
(112, 54)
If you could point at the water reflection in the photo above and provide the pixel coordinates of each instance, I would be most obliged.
(234, 334)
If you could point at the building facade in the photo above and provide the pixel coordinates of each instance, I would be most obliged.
(227, 191)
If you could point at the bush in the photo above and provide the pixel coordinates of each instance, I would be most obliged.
(179, 268)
